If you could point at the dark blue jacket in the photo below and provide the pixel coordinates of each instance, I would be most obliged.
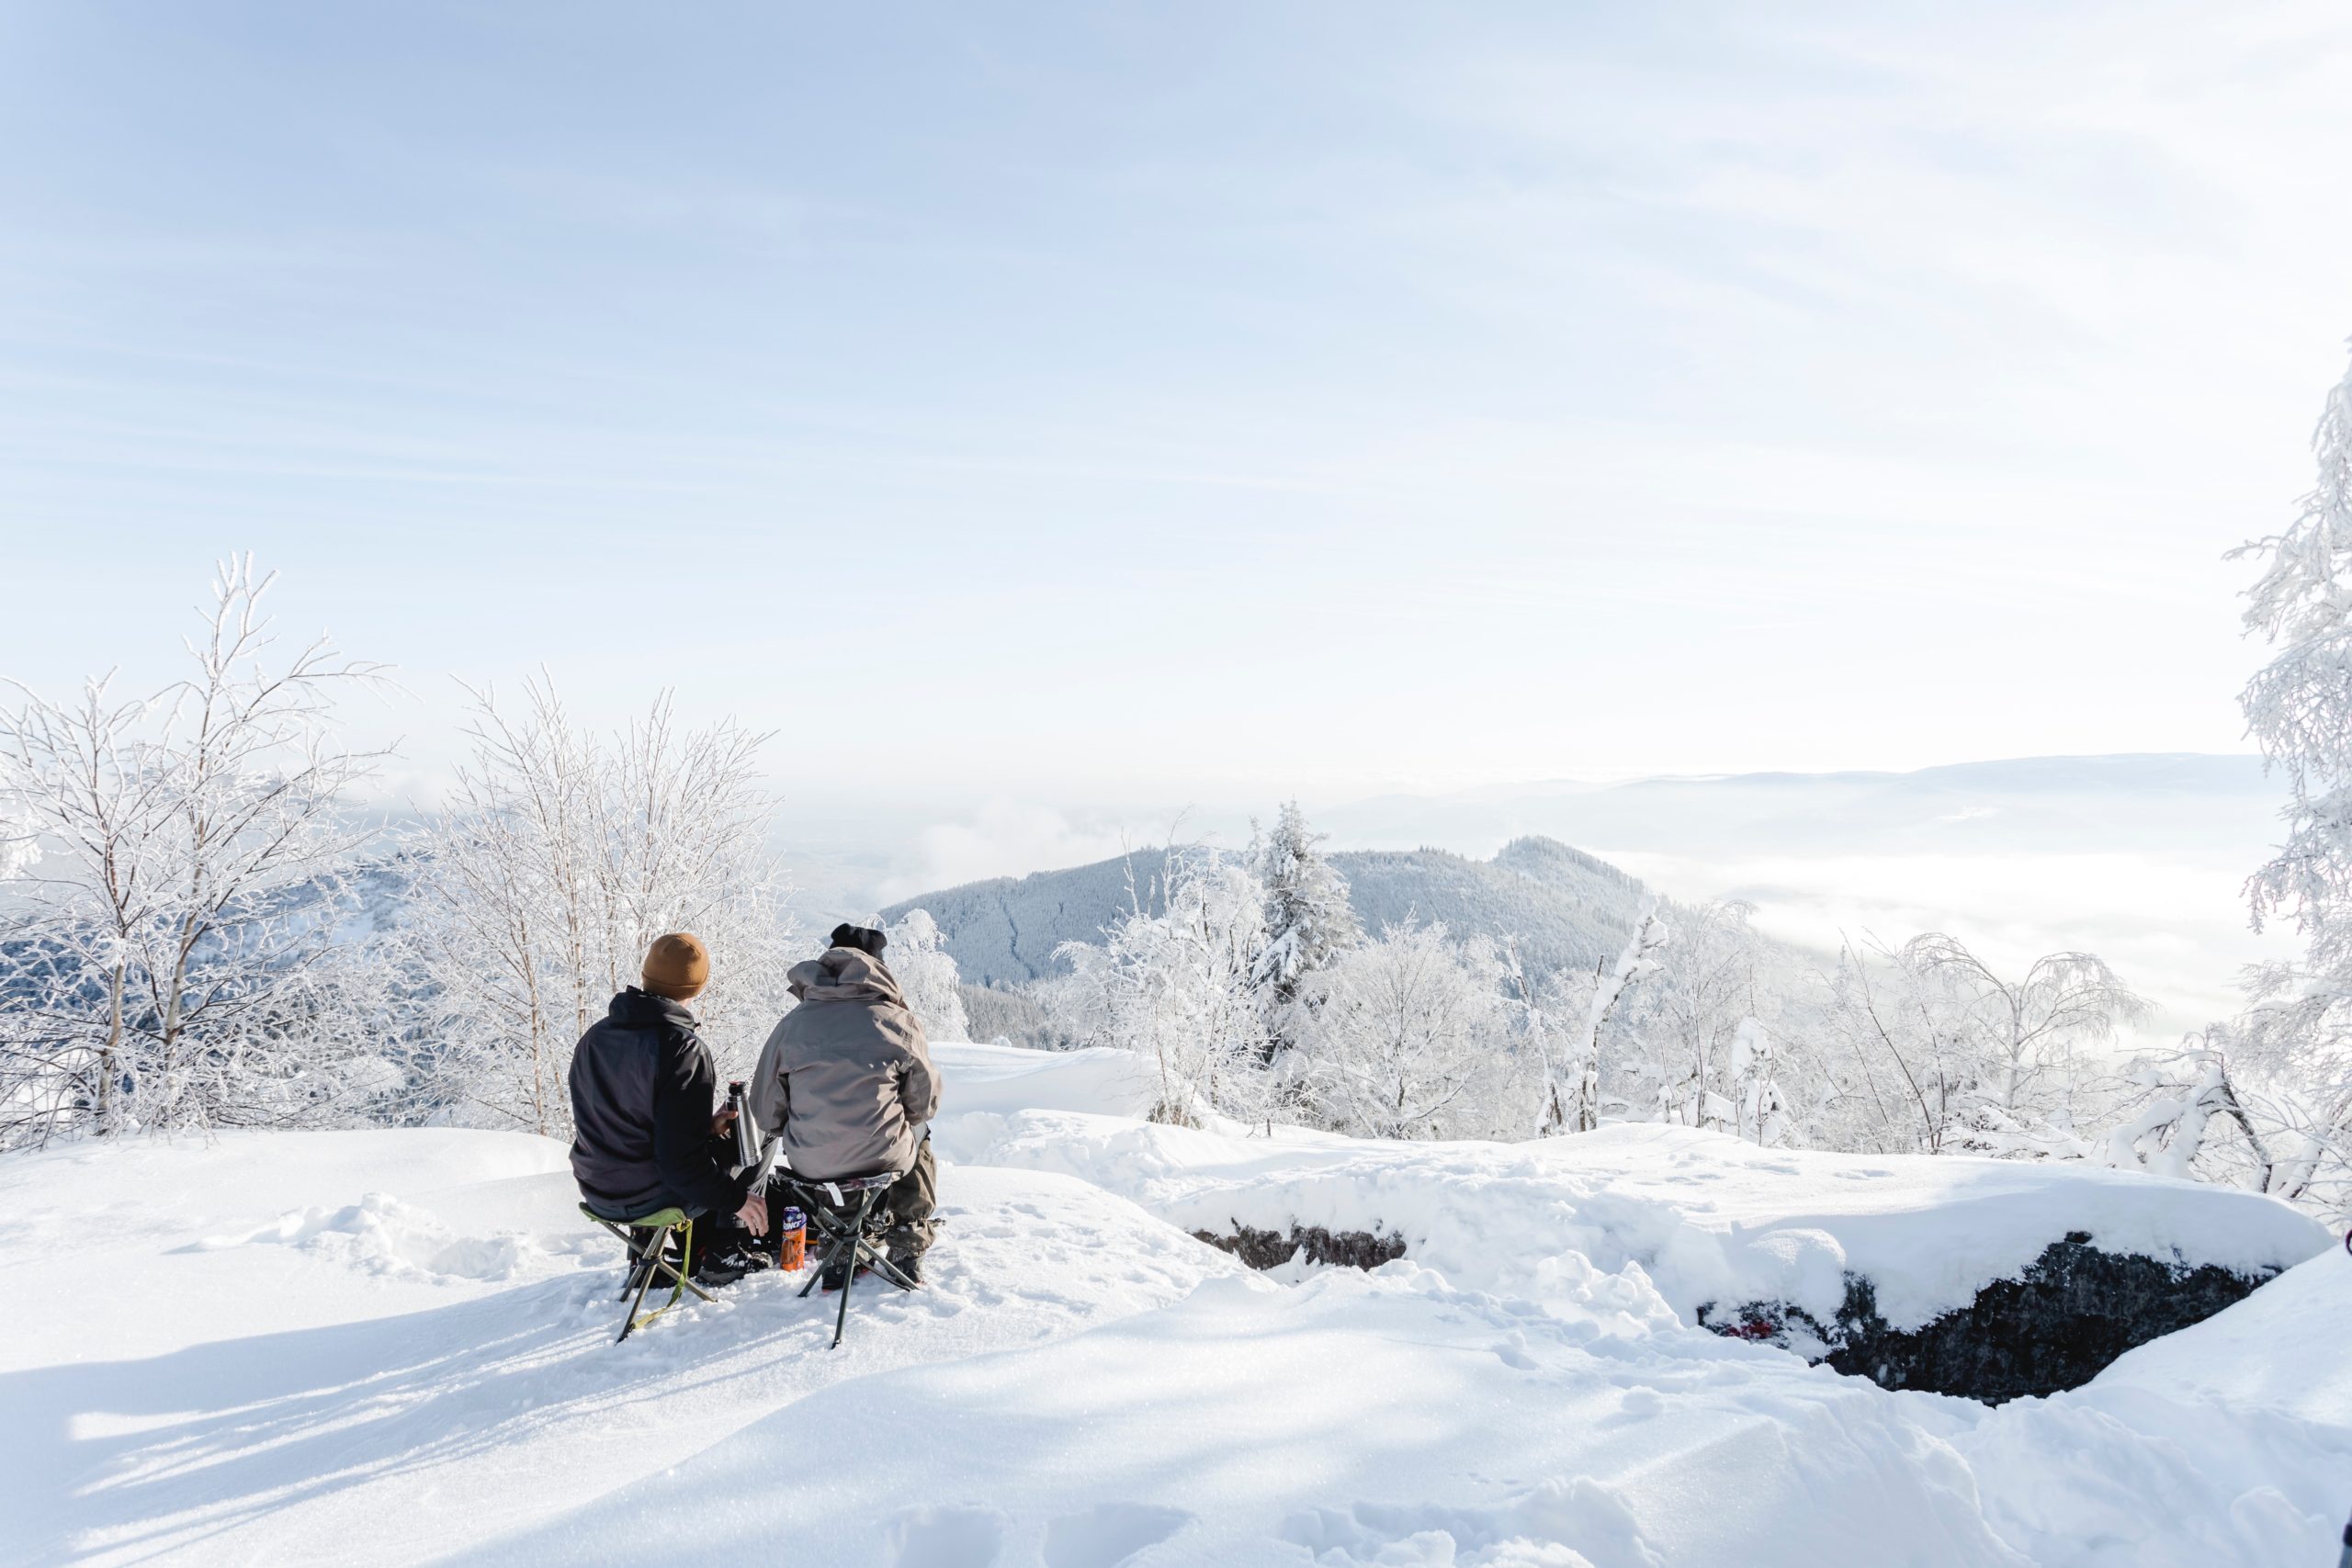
(643, 1089)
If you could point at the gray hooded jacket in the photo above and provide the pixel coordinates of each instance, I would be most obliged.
(846, 1077)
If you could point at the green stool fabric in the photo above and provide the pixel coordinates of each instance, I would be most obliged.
(648, 1258)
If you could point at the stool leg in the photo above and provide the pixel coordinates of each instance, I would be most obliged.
(849, 1275)
(640, 1255)
(628, 1323)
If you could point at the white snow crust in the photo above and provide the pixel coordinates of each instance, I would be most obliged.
(395, 1348)
(1709, 1219)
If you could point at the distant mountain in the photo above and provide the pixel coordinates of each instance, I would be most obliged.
(1003, 931)
(1564, 907)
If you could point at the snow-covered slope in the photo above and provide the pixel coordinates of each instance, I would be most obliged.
(394, 1348)
(374, 1348)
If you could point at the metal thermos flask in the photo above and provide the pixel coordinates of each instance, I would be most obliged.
(747, 1137)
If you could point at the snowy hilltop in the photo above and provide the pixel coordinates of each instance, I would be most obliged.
(394, 1347)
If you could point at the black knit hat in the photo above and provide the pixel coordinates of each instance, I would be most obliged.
(865, 939)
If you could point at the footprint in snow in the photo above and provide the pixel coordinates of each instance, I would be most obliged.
(1109, 1534)
(945, 1538)
(1512, 1353)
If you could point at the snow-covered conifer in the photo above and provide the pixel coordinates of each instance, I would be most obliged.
(1309, 921)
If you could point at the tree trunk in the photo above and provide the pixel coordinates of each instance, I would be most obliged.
(110, 1055)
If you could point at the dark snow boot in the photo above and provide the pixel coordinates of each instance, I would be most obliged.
(730, 1260)
(830, 1280)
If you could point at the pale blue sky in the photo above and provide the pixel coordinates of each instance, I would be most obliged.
(1190, 400)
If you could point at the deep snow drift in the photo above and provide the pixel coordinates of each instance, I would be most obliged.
(379, 1348)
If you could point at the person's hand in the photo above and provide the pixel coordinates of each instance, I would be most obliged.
(720, 1123)
(754, 1213)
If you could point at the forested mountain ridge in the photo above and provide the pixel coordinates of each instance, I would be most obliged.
(1564, 908)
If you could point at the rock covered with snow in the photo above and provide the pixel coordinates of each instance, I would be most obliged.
(1710, 1220)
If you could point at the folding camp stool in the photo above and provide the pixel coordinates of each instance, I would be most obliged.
(646, 1237)
(847, 1241)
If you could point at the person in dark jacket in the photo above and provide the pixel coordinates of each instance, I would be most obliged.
(645, 1131)
(846, 1082)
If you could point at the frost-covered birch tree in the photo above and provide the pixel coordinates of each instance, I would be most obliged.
(1410, 1037)
(2299, 712)
(1571, 1101)
(1712, 983)
(2020, 1041)
(173, 956)
(1936, 1052)
(560, 855)
(1760, 1110)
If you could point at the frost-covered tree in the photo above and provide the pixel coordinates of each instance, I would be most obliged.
(1941, 1053)
(1888, 1041)
(2188, 1113)
(1173, 981)
(174, 957)
(1713, 981)
(1760, 1111)
(20, 841)
(1571, 1101)
(1309, 922)
(2299, 712)
(2019, 1040)
(2186, 1118)
(926, 972)
(1410, 1038)
(559, 856)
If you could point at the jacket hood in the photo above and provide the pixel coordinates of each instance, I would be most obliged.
(637, 1008)
(845, 974)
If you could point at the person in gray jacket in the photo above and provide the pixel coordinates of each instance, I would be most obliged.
(845, 1081)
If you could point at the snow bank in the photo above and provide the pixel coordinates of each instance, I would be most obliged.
(1001, 1080)
(1709, 1219)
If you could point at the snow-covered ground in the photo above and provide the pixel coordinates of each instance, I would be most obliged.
(381, 1347)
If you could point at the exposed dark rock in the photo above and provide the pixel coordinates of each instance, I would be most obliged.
(2075, 1310)
(1268, 1249)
